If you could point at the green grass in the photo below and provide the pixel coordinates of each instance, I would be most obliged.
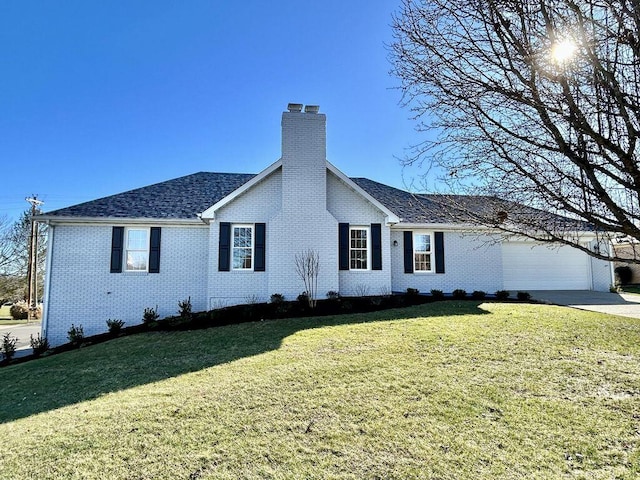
(5, 313)
(630, 288)
(449, 390)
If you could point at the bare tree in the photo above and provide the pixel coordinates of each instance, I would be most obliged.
(534, 102)
(307, 268)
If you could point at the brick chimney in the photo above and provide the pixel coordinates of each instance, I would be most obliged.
(304, 154)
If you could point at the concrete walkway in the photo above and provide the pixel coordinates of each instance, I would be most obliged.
(623, 304)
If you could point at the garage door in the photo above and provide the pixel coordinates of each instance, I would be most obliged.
(530, 266)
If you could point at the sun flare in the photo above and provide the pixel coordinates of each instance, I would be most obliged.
(563, 51)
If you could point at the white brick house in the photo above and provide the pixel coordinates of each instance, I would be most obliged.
(224, 238)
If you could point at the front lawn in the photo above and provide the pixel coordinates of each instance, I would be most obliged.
(448, 390)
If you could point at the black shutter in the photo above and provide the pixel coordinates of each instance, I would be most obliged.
(438, 240)
(408, 252)
(154, 250)
(224, 247)
(343, 246)
(117, 242)
(376, 246)
(260, 250)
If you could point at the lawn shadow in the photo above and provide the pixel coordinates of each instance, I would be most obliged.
(88, 373)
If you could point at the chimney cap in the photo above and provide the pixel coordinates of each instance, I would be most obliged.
(294, 107)
(311, 109)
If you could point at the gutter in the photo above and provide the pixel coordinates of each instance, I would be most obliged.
(57, 220)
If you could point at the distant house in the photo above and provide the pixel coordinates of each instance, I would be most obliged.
(226, 238)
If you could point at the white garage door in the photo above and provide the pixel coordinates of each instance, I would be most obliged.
(530, 266)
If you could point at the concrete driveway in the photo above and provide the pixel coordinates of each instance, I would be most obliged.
(623, 304)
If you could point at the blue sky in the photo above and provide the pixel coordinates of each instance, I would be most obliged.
(101, 97)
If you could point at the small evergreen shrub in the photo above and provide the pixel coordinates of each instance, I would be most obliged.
(502, 294)
(8, 346)
(624, 274)
(524, 296)
(412, 292)
(303, 298)
(75, 335)
(332, 295)
(19, 311)
(437, 294)
(459, 294)
(114, 326)
(39, 345)
(185, 308)
(150, 315)
(277, 298)
(478, 295)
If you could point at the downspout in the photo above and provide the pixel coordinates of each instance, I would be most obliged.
(47, 282)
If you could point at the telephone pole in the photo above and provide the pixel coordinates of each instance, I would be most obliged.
(32, 271)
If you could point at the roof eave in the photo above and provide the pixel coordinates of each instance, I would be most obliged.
(69, 220)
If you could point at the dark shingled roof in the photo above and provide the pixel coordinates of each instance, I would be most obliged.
(180, 198)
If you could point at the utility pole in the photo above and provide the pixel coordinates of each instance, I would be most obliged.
(32, 271)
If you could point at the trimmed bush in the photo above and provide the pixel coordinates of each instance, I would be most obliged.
(478, 295)
(502, 294)
(8, 346)
(459, 294)
(75, 335)
(114, 326)
(19, 311)
(437, 294)
(412, 292)
(624, 274)
(150, 315)
(524, 296)
(277, 298)
(39, 345)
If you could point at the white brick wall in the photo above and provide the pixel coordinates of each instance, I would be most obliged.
(84, 292)
(350, 207)
(471, 263)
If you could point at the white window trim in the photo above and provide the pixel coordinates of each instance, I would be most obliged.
(368, 230)
(126, 250)
(253, 245)
(431, 251)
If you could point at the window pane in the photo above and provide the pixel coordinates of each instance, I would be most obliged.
(137, 261)
(422, 262)
(136, 239)
(242, 237)
(241, 258)
(422, 243)
(358, 259)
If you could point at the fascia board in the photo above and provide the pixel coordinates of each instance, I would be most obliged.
(57, 220)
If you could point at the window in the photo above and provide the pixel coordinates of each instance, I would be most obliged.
(242, 247)
(422, 254)
(137, 249)
(358, 248)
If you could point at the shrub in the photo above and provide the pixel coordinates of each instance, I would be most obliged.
(438, 294)
(75, 335)
(150, 315)
(502, 294)
(459, 294)
(478, 295)
(114, 326)
(39, 345)
(624, 274)
(19, 311)
(332, 295)
(185, 308)
(412, 292)
(8, 346)
(361, 290)
(524, 296)
(277, 298)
